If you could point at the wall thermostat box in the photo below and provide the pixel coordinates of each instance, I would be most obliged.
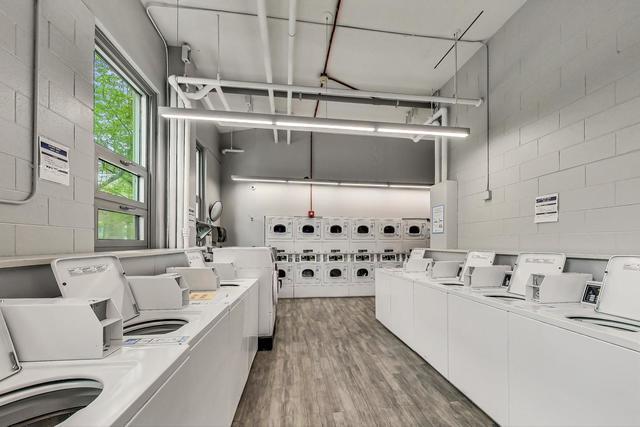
(445, 269)
(168, 291)
(591, 293)
(556, 287)
(46, 329)
(198, 278)
(486, 276)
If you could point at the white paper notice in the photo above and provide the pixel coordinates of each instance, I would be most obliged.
(54, 162)
(437, 219)
(546, 208)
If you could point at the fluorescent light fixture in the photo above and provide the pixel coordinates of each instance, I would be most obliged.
(363, 184)
(184, 114)
(416, 186)
(327, 182)
(278, 121)
(436, 131)
(311, 181)
(254, 179)
(325, 126)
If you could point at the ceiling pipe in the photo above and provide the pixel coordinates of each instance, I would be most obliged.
(292, 39)
(445, 146)
(323, 75)
(266, 52)
(223, 98)
(345, 93)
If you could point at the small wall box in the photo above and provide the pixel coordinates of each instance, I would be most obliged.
(486, 276)
(47, 329)
(162, 292)
(557, 287)
(197, 278)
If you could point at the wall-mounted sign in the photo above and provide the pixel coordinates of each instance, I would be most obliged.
(546, 209)
(54, 162)
(437, 219)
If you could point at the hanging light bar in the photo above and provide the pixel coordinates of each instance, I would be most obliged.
(275, 121)
(327, 182)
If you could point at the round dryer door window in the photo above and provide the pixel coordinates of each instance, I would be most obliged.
(279, 229)
(414, 229)
(308, 273)
(389, 229)
(362, 272)
(335, 272)
(335, 229)
(282, 274)
(308, 229)
(363, 229)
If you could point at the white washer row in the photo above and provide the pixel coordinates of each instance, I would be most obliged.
(289, 228)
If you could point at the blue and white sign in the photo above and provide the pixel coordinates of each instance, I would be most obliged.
(54, 162)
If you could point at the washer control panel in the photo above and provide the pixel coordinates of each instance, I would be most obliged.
(591, 293)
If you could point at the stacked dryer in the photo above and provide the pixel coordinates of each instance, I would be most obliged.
(337, 256)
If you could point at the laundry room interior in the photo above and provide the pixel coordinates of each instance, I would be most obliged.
(319, 212)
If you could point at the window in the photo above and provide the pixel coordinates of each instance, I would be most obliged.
(122, 124)
(200, 214)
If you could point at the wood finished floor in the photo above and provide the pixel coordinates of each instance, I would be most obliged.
(334, 364)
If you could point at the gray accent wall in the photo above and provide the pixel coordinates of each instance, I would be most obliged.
(335, 157)
(564, 104)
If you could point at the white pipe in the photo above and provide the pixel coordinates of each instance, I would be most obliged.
(223, 98)
(173, 82)
(436, 161)
(445, 147)
(266, 51)
(346, 93)
(186, 232)
(437, 115)
(292, 38)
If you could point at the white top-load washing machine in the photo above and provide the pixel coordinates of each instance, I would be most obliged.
(107, 391)
(527, 264)
(102, 276)
(336, 228)
(256, 263)
(279, 228)
(472, 260)
(308, 228)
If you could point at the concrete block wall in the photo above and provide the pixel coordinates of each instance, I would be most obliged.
(60, 219)
(564, 117)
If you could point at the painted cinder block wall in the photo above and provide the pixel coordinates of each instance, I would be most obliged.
(60, 219)
(565, 117)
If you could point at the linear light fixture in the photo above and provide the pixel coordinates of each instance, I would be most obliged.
(325, 126)
(328, 183)
(276, 121)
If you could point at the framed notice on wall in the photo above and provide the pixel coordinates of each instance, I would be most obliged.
(546, 209)
(437, 219)
(54, 162)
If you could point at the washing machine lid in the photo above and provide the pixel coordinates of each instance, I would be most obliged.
(620, 293)
(9, 363)
(532, 263)
(477, 259)
(195, 258)
(99, 276)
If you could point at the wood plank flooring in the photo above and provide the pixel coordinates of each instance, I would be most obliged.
(334, 364)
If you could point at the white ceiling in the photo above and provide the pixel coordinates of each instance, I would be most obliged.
(364, 59)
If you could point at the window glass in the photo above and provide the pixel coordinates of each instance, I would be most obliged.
(117, 181)
(118, 226)
(116, 111)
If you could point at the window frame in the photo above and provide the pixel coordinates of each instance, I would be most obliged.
(109, 202)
